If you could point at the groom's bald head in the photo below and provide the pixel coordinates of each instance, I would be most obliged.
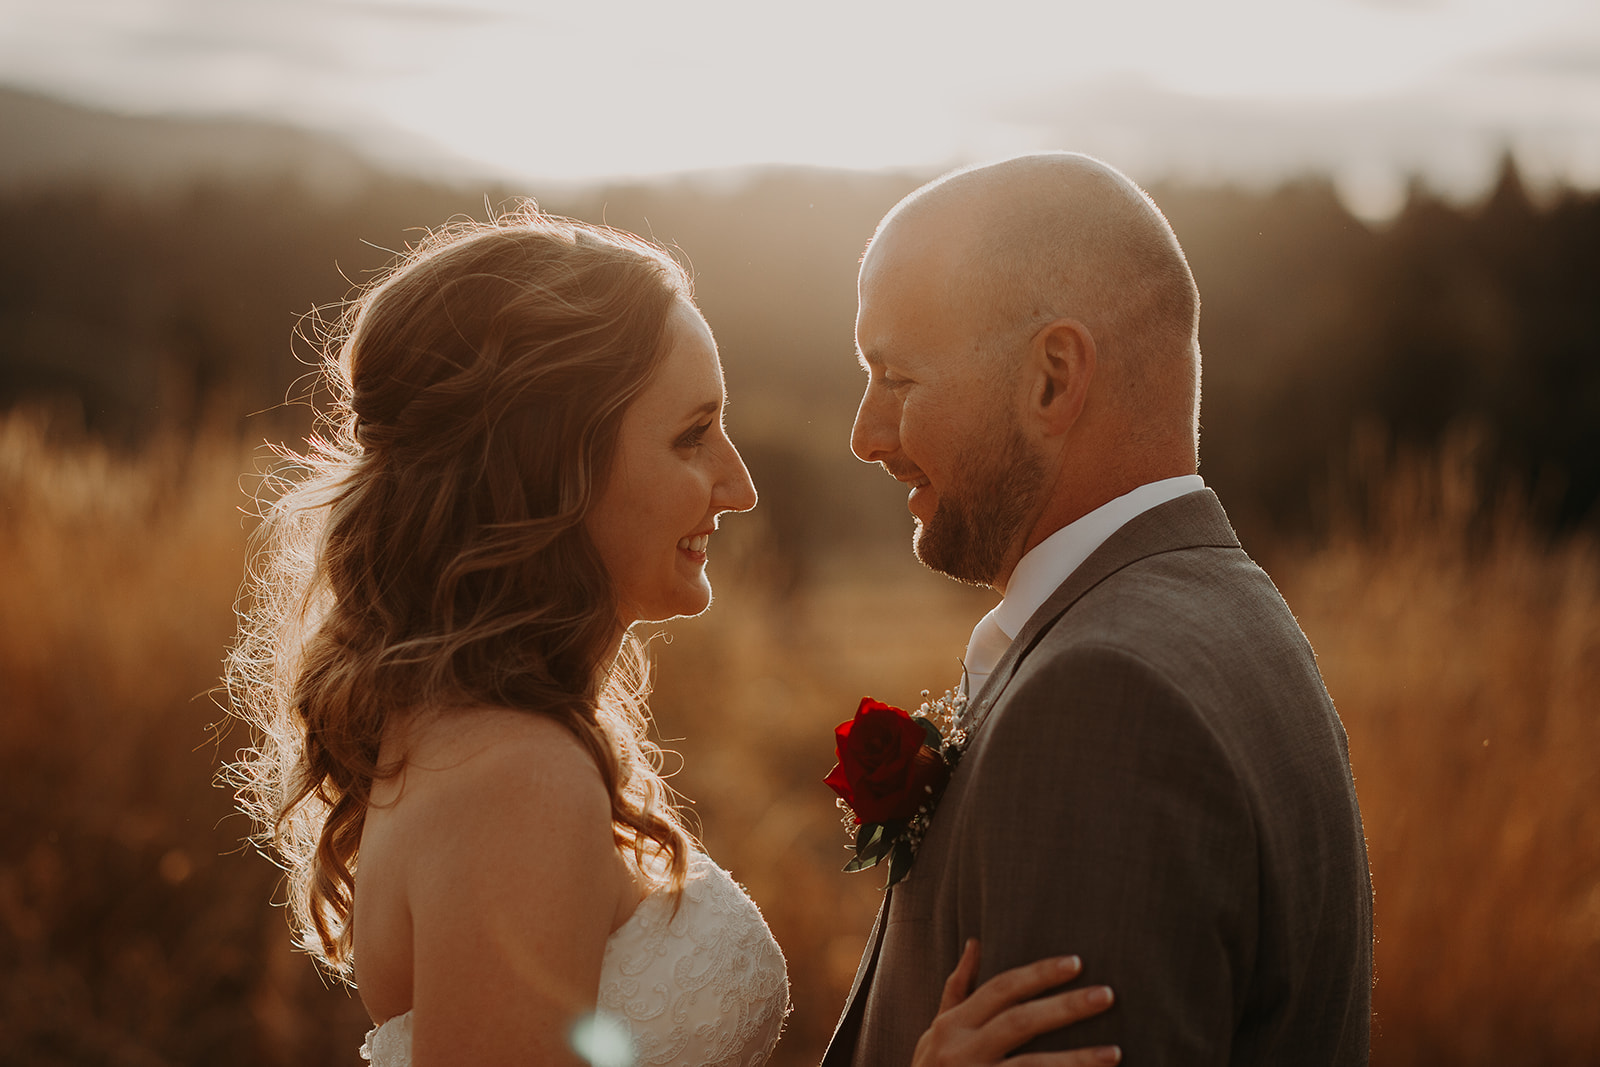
(1029, 334)
(1061, 235)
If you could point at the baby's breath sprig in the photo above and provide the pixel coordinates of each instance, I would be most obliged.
(946, 712)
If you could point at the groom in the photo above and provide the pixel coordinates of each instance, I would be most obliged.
(1156, 779)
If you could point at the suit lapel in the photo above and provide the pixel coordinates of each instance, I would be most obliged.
(1194, 520)
(841, 1047)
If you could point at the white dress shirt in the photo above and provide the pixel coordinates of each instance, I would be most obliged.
(1051, 562)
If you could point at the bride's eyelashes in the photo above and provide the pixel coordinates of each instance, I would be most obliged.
(694, 435)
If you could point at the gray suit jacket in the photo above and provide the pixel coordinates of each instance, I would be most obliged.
(1157, 782)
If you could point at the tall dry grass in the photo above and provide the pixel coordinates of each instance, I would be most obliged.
(1462, 647)
(134, 931)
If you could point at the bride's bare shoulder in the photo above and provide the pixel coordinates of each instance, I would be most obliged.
(492, 813)
(491, 764)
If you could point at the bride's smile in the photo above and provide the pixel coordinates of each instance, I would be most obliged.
(696, 544)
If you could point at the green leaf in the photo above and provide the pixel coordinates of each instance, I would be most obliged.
(875, 851)
(861, 864)
(931, 735)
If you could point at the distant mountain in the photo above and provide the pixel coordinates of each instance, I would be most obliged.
(46, 141)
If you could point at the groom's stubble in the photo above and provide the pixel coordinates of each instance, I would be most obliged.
(978, 522)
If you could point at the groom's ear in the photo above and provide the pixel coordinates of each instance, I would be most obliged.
(1061, 363)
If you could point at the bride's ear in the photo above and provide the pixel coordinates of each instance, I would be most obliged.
(1061, 360)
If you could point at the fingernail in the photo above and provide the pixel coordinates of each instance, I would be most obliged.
(1109, 1054)
(1100, 996)
(1069, 965)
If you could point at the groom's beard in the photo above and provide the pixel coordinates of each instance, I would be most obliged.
(976, 524)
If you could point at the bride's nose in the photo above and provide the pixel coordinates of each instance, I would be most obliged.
(734, 491)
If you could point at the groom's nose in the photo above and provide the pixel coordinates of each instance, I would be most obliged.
(875, 433)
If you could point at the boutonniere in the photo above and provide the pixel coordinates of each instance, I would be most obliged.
(892, 769)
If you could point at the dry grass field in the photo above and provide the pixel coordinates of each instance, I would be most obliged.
(1463, 651)
(1462, 648)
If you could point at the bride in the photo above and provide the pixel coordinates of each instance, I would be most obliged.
(525, 456)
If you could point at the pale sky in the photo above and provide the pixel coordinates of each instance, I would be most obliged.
(1254, 91)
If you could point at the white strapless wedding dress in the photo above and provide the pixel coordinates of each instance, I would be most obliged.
(706, 987)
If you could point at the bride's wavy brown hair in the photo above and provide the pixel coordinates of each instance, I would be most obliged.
(429, 549)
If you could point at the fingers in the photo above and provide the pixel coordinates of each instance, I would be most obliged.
(1019, 984)
(1008, 1011)
(959, 983)
(1021, 1023)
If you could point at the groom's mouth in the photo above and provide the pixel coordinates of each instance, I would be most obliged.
(902, 472)
(921, 489)
(912, 478)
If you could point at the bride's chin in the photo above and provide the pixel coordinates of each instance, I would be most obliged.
(690, 607)
(686, 613)
(704, 601)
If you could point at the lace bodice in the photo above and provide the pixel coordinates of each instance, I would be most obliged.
(706, 987)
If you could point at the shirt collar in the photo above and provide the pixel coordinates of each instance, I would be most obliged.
(1052, 561)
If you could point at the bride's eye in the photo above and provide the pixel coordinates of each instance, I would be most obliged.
(694, 436)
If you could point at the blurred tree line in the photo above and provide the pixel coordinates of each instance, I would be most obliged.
(129, 311)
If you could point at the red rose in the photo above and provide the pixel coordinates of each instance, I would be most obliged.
(886, 768)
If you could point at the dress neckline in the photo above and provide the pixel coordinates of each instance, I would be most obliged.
(697, 862)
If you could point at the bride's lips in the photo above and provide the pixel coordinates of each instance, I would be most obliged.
(694, 546)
